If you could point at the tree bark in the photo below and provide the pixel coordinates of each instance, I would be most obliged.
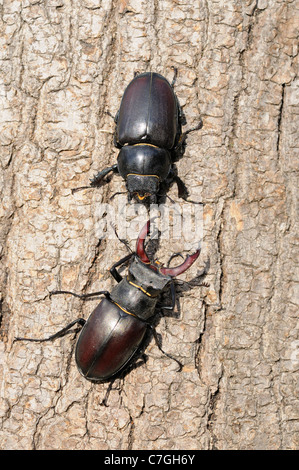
(64, 64)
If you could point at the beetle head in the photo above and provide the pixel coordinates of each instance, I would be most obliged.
(143, 187)
(156, 265)
(143, 166)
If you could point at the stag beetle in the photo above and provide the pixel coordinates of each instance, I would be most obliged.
(116, 328)
(149, 136)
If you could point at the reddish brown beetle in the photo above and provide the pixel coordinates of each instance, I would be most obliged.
(116, 328)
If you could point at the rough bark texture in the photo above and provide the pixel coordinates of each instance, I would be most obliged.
(64, 63)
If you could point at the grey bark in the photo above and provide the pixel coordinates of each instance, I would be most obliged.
(63, 65)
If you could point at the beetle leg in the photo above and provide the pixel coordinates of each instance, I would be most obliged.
(127, 367)
(196, 128)
(81, 296)
(172, 289)
(105, 399)
(159, 346)
(113, 270)
(182, 190)
(183, 135)
(116, 144)
(169, 307)
(111, 115)
(97, 179)
(175, 74)
(59, 333)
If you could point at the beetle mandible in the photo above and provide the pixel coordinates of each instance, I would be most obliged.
(116, 328)
(149, 136)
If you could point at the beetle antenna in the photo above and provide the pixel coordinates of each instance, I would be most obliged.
(116, 194)
(74, 190)
(182, 267)
(174, 256)
(122, 240)
(171, 200)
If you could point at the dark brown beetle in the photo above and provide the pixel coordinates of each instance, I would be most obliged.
(149, 136)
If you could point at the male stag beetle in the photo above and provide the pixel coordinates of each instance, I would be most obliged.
(149, 136)
(115, 329)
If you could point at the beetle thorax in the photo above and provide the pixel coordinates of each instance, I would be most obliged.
(147, 278)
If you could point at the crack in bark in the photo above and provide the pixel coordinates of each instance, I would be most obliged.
(279, 119)
(197, 355)
(211, 418)
(221, 258)
(254, 15)
(131, 433)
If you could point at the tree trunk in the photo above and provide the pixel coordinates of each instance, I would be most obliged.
(64, 64)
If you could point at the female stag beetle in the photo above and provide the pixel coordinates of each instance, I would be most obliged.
(148, 134)
(116, 328)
